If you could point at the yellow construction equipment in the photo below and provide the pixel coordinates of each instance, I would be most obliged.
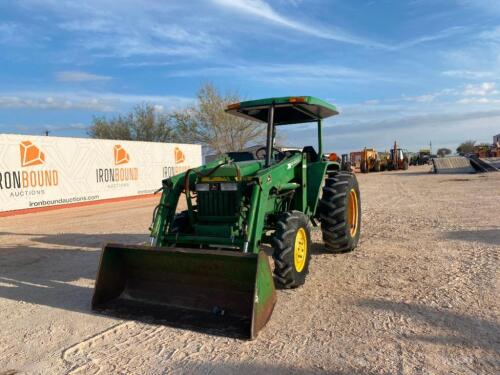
(398, 158)
(370, 161)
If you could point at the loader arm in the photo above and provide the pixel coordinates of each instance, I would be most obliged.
(172, 189)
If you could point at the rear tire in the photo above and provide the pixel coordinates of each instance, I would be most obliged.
(376, 168)
(405, 165)
(292, 249)
(340, 212)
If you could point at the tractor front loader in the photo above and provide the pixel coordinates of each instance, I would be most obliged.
(207, 266)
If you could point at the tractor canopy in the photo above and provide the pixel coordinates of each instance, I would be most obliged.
(287, 110)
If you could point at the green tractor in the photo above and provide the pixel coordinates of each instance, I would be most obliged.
(209, 266)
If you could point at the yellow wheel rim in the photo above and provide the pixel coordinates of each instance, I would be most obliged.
(352, 213)
(300, 250)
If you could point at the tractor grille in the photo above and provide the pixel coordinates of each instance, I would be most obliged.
(215, 205)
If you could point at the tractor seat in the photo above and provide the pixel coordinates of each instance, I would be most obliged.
(241, 155)
(311, 154)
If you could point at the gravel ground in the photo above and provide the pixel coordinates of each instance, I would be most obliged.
(418, 296)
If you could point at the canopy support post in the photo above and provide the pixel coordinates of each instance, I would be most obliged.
(320, 138)
(270, 136)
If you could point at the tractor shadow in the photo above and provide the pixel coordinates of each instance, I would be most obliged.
(253, 367)
(487, 236)
(320, 249)
(454, 328)
(46, 272)
(59, 271)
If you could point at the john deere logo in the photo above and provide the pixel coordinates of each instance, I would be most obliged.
(121, 156)
(178, 156)
(30, 154)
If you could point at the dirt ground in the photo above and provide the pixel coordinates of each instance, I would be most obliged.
(420, 295)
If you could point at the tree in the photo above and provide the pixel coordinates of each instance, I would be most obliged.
(442, 152)
(206, 122)
(466, 147)
(144, 123)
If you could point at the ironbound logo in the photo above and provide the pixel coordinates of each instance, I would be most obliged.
(178, 155)
(179, 158)
(30, 156)
(104, 175)
(121, 156)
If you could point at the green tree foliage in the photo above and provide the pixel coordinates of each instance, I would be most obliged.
(207, 123)
(442, 152)
(466, 147)
(144, 123)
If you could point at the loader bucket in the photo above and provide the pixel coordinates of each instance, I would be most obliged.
(216, 290)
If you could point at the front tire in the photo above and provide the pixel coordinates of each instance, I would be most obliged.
(292, 249)
(340, 212)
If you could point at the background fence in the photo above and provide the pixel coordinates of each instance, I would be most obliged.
(46, 171)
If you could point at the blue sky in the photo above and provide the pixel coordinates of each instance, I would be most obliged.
(415, 70)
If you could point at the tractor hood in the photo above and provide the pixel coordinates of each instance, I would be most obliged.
(238, 169)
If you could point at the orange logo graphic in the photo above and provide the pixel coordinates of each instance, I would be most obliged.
(179, 155)
(121, 156)
(30, 154)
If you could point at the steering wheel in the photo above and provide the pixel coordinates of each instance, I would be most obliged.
(261, 153)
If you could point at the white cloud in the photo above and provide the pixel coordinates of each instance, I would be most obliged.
(88, 25)
(57, 101)
(493, 35)
(425, 98)
(261, 9)
(12, 33)
(468, 74)
(482, 100)
(78, 76)
(472, 90)
(42, 128)
(443, 34)
(483, 89)
(410, 124)
(487, 6)
(86, 100)
(7, 32)
(125, 29)
(429, 97)
(285, 74)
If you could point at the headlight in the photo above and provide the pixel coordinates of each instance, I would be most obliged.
(228, 186)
